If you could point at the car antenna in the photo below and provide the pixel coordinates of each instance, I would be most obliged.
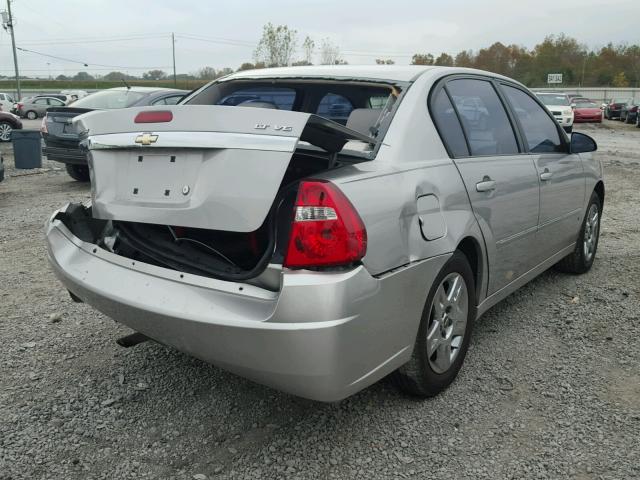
(126, 84)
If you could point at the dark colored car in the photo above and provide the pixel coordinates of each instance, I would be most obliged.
(62, 141)
(614, 108)
(586, 111)
(8, 123)
(629, 113)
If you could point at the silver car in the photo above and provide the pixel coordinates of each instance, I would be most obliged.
(35, 107)
(318, 255)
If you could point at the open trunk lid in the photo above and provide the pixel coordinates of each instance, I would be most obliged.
(59, 124)
(211, 167)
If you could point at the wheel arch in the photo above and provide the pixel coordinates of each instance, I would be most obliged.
(599, 189)
(471, 249)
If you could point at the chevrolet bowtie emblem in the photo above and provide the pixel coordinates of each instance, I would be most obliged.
(146, 139)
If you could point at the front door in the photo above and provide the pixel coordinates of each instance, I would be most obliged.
(562, 185)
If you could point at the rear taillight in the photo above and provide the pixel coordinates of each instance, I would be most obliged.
(19, 105)
(326, 229)
(43, 125)
(154, 116)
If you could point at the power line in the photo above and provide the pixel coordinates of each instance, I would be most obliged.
(86, 64)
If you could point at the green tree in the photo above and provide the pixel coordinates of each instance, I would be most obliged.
(83, 76)
(384, 61)
(465, 59)
(422, 59)
(277, 45)
(154, 75)
(444, 60)
(308, 48)
(620, 80)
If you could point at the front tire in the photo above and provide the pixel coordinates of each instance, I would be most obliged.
(5, 131)
(444, 333)
(78, 172)
(582, 257)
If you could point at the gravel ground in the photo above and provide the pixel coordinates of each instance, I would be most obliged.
(550, 388)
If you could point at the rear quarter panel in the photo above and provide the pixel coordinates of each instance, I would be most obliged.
(411, 163)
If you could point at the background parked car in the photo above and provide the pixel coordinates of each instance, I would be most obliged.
(560, 106)
(6, 102)
(614, 108)
(8, 123)
(65, 98)
(61, 140)
(586, 111)
(37, 106)
(629, 112)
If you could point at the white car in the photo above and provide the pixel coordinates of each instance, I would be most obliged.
(560, 106)
(6, 102)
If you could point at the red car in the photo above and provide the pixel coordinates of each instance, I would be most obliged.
(586, 111)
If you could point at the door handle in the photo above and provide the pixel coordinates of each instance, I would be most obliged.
(486, 185)
(546, 175)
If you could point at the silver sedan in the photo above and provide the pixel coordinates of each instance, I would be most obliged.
(316, 252)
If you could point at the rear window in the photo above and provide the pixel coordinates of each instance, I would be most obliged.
(448, 125)
(281, 98)
(484, 119)
(110, 99)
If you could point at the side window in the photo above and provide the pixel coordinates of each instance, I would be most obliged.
(160, 101)
(448, 125)
(40, 101)
(483, 117)
(173, 100)
(378, 101)
(540, 131)
(281, 98)
(335, 107)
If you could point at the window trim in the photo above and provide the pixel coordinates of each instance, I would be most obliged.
(559, 129)
(442, 83)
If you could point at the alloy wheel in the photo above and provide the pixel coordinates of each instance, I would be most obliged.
(5, 132)
(447, 322)
(591, 229)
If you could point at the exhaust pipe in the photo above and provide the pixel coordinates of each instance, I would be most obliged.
(132, 340)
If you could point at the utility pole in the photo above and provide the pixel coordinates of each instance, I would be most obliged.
(173, 50)
(9, 24)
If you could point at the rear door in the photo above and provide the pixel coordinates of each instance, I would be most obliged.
(502, 183)
(562, 183)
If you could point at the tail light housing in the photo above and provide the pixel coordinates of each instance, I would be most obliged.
(19, 105)
(326, 229)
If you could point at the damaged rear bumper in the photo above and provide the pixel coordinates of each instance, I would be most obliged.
(322, 336)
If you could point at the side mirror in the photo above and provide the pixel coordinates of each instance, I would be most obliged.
(581, 143)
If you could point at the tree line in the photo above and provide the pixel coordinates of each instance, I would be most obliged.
(616, 65)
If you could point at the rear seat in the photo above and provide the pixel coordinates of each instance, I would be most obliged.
(362, 119)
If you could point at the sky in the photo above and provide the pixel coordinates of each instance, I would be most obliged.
(135, 36)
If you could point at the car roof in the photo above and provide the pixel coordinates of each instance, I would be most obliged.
(392, 73)
(145, 89)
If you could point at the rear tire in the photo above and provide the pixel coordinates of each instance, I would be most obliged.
(31, 115)
(582, 257)
(568, 129)
(444, 333)
(78, 172)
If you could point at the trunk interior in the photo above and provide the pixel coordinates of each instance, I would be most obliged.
(225, 255)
